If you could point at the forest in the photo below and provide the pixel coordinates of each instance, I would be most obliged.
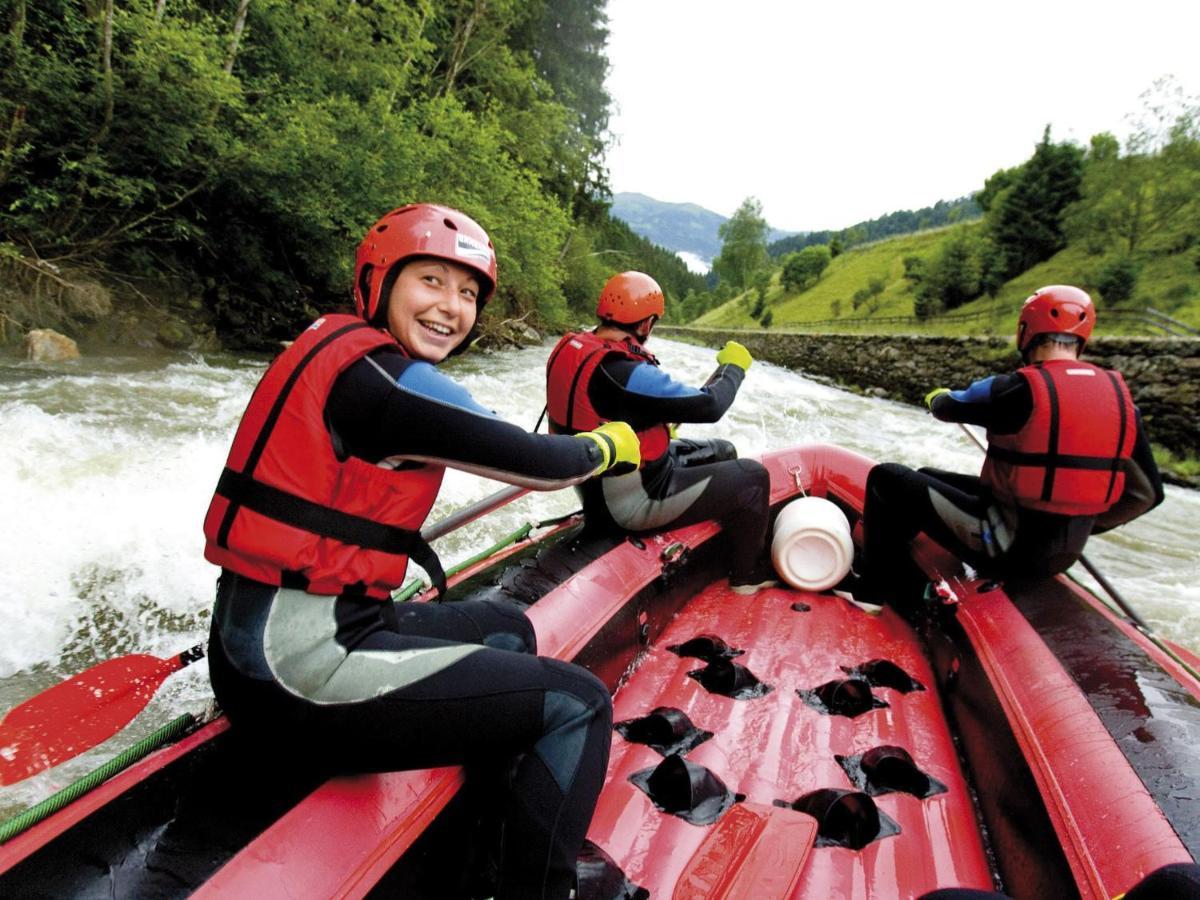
(904, 221)
(224, 157)
(235, 151)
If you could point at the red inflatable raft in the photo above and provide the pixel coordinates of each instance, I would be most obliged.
(1023, 739)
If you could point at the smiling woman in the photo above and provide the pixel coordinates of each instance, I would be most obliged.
(334, 468)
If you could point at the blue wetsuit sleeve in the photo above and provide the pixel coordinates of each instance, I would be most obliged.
(387, 409)
(651, 381)
(979, 392)
(1000, 403)
(643, 394)
(423, 379)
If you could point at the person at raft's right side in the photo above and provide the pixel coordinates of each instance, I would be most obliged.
(607, 375)
(1067, 457)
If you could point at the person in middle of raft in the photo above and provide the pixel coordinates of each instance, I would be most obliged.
(607, 375)
(1067, 457)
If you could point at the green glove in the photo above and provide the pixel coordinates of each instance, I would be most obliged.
(734, 354)
(936, 392)
(619, 445)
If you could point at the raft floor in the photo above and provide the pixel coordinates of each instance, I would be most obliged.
(775, 748)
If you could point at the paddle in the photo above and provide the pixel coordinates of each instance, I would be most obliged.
(470, 513)
(75, 715)
(1095, 573)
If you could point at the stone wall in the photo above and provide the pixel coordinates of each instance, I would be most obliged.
(1163, 373)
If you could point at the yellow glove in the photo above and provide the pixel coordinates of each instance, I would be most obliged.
(936, 392)
(734, 354)
(672, 431)
(619, 445)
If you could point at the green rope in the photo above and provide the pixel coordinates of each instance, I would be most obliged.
(72, 792)
(415, 586)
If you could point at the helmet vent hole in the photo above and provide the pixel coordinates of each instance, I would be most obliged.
(382, 228)
(1054, 312)
(450, 225)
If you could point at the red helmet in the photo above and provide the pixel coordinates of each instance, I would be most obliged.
(629, 297)
(1057, 309)
(419, 229)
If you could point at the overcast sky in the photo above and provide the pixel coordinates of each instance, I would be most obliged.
(831, 113)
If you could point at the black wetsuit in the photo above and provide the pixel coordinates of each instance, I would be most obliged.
(960, 513)
(695, 480)
(356, 684)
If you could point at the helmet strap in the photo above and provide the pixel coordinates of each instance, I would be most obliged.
(380, 319)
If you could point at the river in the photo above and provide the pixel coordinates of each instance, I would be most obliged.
(107, 466)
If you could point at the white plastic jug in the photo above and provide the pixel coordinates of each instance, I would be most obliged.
(812, 548)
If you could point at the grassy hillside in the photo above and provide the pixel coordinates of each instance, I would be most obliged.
(849, 272)
(1169, 284)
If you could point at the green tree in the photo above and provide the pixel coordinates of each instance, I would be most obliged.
(1025, 207)
(744, 247)
(252, 142)
(1117, 280)
(566, 40)
(805, 267)
(914, 269)
(760, 306)
(952, 276)
(1000, 182)
(993, 267)
(1148, 197)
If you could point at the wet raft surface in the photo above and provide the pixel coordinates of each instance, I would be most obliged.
(776, 748)
(1151, 718)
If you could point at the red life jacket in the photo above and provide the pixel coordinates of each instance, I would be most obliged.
(1067, 457)
(289, 511)
(569, 370)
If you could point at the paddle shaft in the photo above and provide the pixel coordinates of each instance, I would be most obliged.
(1129, 611)
(469, 514)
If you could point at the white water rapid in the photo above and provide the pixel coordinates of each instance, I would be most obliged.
(107, 466)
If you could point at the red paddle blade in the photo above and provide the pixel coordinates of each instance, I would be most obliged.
(76, 715)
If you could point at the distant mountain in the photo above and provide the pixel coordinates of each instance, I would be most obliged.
(686, 228)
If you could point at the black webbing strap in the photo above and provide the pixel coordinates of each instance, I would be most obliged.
(570, 423)
(1116, 461)
(260, 442)
(1052, 457)
(1059, 460)
(296, 511)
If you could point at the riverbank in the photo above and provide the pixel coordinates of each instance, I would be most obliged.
(1163, 373)
(103, 316)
